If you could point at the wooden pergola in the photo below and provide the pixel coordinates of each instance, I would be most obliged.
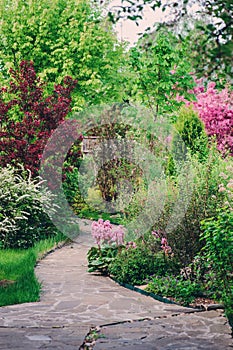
(89, 143)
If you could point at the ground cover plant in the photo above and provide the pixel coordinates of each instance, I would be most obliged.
(176, 288)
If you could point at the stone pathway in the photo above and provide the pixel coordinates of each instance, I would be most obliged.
(74, 301)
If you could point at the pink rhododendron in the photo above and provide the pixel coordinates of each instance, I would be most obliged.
(215, 108)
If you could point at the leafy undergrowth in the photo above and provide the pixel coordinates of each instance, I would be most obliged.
(184, 292)
(18, 281)
(95, 215)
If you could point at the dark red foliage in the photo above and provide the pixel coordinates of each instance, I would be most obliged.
(28, 119)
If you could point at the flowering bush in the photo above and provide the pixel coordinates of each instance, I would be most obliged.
(215, 109)
(22, 220)
(135, 266)
(110, 242)
(130, 262)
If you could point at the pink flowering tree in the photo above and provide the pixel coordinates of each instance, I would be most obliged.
(215, 109)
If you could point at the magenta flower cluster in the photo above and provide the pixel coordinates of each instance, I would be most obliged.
(164, 242)
(103, 233)
(215, 108)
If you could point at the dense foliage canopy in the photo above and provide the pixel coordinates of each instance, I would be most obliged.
(68, 37)
(213, 44)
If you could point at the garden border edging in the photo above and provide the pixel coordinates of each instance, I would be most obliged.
(168, 301)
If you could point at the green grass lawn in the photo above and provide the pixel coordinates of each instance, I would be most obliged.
(19, 283)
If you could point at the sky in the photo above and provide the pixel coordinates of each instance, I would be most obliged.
(128, 30)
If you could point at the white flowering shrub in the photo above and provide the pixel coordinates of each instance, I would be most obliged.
(22, 219)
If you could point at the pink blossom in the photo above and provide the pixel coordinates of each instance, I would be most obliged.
(102, 232)
(211, 85)
(167, 249)
(215, 109)
(131, 245)
(180, 98)
(163, 241)
(173, 71)
(230, 185)
(168, 139)
(156, 234)
(221, 189)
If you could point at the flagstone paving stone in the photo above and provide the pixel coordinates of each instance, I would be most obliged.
(206, 330)
(73, 301)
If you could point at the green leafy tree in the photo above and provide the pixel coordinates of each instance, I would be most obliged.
(209, 57)
(68, 37)
(161, 72)
(215, 31)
